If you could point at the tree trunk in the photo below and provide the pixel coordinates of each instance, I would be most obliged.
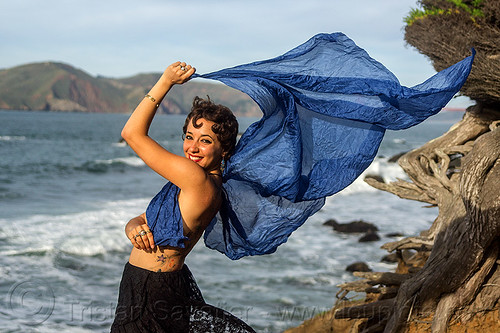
(467, 230)
(461, 276)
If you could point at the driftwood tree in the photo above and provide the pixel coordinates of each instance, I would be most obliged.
(458, 172)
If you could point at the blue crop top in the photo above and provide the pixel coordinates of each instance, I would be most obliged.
(165, 219)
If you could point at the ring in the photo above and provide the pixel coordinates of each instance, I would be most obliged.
(183, 68)
(143, 233)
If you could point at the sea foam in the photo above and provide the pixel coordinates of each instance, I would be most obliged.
(380, 167)
(87, 233)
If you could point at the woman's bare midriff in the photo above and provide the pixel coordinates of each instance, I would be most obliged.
(164, 258)
(160, 259)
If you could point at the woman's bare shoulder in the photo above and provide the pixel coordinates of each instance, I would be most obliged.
(203, 203)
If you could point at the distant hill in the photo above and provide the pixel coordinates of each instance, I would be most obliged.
(54, 86)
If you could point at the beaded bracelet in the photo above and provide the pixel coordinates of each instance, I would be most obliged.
(152, 99)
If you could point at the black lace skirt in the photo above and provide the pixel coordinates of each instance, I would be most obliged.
(152, 302)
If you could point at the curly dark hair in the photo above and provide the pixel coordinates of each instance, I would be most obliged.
(225, 127)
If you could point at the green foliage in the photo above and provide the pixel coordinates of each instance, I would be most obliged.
(473, 8)
(416, 14)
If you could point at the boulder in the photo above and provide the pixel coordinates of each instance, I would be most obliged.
(359, 226)
(370, 236)
(390, 258)
(394, 235)
(358, 267)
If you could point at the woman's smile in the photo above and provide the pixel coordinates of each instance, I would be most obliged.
(195, 158)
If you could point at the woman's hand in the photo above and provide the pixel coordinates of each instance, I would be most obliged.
(177, 73)
(139, 233)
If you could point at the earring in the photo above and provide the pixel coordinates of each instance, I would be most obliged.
(222, 165)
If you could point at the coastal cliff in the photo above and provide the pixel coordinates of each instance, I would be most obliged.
(52, 86)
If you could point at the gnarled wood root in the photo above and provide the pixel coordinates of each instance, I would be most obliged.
(432, 179)
(470, 243)
(462, 274)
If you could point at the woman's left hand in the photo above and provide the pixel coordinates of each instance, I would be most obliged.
(139, 234)
(178, 73)
(142, 238)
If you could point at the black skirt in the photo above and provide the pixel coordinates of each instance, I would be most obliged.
(158, 302)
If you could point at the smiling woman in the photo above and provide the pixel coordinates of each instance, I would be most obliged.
(157, 291)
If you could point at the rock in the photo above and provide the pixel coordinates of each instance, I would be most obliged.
(358, 267)
(370, 236)
(331, 223)
(351, 227)
(390, 258)
(394, 235)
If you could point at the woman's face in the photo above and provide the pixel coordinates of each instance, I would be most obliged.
(202, 146)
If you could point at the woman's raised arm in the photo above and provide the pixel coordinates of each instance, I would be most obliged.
(179, 170)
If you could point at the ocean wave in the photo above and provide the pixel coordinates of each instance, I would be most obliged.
(31, 168)
(7, 193)
(380, 167)
(308, 280)
(12, 138)
(28, 252)
(399, 141)
(119, 144)
(58, 168)
(88, 233)
(114, 164)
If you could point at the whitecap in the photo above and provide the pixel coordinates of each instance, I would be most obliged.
(255, 288)
(86, 233)
(119, 144)
(12, 138)
(286, 301)
(380, 167)
(131, 161)
(116, 164)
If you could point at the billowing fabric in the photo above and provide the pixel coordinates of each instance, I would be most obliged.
(164, 217)
(168, 302)
(326, 105)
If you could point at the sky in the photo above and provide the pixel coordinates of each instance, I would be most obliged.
(120, 38)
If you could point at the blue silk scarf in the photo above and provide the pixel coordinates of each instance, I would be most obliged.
(326, 105)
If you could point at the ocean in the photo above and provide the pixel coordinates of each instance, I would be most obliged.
(68, 186)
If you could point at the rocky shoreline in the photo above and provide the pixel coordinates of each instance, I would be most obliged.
(354, 313)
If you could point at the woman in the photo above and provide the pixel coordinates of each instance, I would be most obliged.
(157, 291)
